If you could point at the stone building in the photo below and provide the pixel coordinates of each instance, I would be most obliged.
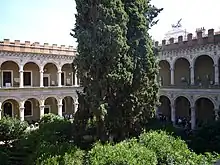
(189, 77)
(37, 79)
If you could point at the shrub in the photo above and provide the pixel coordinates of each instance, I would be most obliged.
(171, 150)
(207, 138)
(11, 129)
(123, 153)
(63, 154)
(50, 118)
(51, 138)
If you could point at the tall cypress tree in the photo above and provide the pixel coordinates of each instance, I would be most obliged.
(144, 86)
(116, 65)
(102, 61)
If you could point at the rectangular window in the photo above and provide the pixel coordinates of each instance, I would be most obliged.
(7, 78)
(27, 78)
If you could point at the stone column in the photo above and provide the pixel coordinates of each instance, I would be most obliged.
(42, 106)
(216, 74)
(76, 81)
(21, 76)
(21, 110)
(0, 110)
(173, 113)
(193, 118)
(42, 77)
(192, 76)
(76, 105)
(60, 107)
(172, 76)
(59, 77)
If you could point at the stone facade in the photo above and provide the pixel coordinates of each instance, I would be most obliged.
(189, 77)
(37, 79)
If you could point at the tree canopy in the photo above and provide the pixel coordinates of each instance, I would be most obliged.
(116, 65)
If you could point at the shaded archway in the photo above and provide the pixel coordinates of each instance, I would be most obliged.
(164, 73)
(31, 74)
(31, 110)
(50, 75)
(182, 108)
(204, 71)
(10, 108)
(51, 105)
(165, 107)
(67, 74)
(204, 110)
(182, 72)
(10, 74)
(69, 105)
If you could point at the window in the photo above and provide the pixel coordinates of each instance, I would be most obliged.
(28, 108)
(7, 78)
(46, 109)
(27, 78)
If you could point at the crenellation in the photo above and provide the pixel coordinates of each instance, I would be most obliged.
(36, 47)
(180, 39)
(183, 42)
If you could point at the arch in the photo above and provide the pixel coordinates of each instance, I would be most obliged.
(6, 60)
(8, 109)
(31, 74)
(69, 104)
(28, 108)
(164, 72)
(35, 110)
(50, 71)
(51, 63)
(67, 74)
(10, 69)
(182, 107)
(204, 109)
(204, 70)
(10, 98)
(52, 104)
(14, 107)
(181, 72)
(165, 106)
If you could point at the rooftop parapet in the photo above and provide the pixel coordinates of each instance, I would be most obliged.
(36, 47)
(190, 41)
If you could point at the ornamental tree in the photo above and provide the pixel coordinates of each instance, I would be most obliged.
(116, 66)
(102, 61)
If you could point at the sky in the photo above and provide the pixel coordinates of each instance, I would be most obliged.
(50, 21)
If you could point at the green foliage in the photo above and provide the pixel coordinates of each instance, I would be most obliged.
(61, 154)
(207, 138)
(123, 153)
(116, 65)
(50, 118)
(11, 129)
(171, 150)
(54, 129)
(53, 136)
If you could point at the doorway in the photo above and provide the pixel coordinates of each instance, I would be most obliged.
(46, 80)
(27, 78)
